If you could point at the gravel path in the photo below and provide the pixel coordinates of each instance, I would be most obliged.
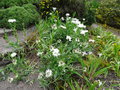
(110, 29)
(5, 85)
(4, 46)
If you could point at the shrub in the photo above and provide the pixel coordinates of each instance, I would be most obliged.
(24, 16)
(9, 3)
(109, 13)
(63, 6)
(90, 9)
(78, 8)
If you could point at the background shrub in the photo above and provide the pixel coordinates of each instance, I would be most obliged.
(24, 16)
(63, 6)
(109, 13)
(90, 10)
(72, 6)
(78, 8)
(9, 3)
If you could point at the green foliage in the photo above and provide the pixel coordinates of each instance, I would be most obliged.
(63, 7)
(24, 16)
(77, 8)
(67, 56)
(109, 13)
(9, 3)
(90, 10)
(59, 36)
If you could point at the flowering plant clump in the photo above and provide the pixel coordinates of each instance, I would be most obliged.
(61, 46)
(67, 49)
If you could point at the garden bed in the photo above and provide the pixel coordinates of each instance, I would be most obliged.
(67, 56)
(62, 53)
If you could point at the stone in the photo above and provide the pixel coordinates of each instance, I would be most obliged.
(21, 36)
(3, 31)
(4, 47)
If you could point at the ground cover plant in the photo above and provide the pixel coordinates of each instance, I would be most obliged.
(66, 56)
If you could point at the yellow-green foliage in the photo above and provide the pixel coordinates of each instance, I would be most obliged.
(45, 6)
(109, 13)
(63, 7)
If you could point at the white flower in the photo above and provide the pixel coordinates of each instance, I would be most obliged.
(61, 63)
(83, 32)
(99, 83)
(77, 40)
(77, 51)
(63, 27)
(10, 79)
(54, 8)
(14, 61)
(54, 26)
(118, 63)
(37, 41)
(48, 73)
(98, 36)
(13, 54)
(84, 69)
(75, 29)
(39, 53)
(12, 20)
(100, 54)
(84, 53)
(59, 41)
(55, 20)
(91, 40)
(81, 26)
(67, 14)
(68, 38)
(51, 48)
(75, 21)
(55, 52)
(2, 73)
(83, 19)
(50, 13)
(78, 23)
(62, 18)
(90, 53)
(40, 75)
(68, 18)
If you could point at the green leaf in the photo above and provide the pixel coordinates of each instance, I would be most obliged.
(101, 71)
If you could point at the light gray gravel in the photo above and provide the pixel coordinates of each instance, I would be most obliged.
(109, 29)
(4, 46)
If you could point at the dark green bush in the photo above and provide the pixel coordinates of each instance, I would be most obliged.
(9, 3)
(90, 10)
(24, 16)
(63, 6)
(109, 13)
(81, 8)
(72, 6)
